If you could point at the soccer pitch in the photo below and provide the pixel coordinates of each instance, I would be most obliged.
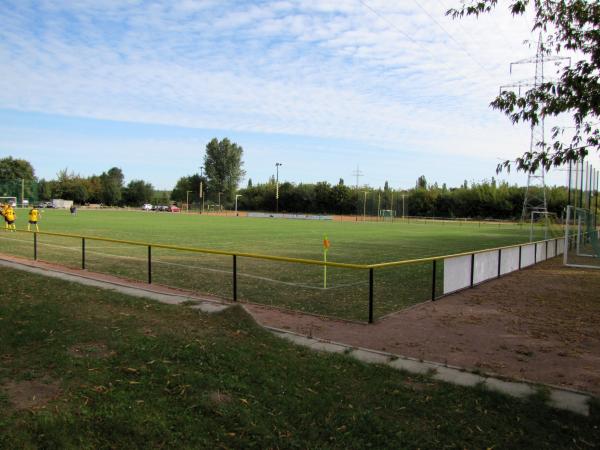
(291, 285)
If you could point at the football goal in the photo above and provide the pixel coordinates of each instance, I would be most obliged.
(544, 225)
(582, 248)
(12, 201)
(387, 214)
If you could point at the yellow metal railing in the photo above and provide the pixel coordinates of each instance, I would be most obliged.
(370, 267)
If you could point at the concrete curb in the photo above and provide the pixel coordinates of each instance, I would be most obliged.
(558, 398)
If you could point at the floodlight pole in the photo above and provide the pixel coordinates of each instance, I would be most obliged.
(201, 190)
(596, 195)
(187, 200)
(569, 183)
(236, 197)
(378, 205)
(403, 215)
(277, 186)
(365, 206)
(581, 185)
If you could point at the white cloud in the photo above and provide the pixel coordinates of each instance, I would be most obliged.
(331, 69)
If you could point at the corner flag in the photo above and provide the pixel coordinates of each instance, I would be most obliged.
(326, 246)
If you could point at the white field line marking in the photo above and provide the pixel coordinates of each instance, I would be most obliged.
(207, 269)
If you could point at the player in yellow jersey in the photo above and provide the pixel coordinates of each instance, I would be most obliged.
(34, 216)
(10, 216)
(3, 207)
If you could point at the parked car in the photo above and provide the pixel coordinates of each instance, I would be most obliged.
(174, 208)
(147, 207)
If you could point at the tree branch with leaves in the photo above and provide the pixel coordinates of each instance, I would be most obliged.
(568, 24)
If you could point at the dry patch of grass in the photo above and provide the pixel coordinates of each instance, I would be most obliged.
(31, 394)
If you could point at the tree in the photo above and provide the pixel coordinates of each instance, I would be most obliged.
(16, 169)
(70, 186)
(137, 193)
(111, 186)
(571, 25)
(421, 182)
(223, 166)
(185, 184)
(45, 189)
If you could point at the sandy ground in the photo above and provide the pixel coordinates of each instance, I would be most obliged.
(539, 324)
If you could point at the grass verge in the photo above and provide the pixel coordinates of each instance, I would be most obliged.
(130, 373)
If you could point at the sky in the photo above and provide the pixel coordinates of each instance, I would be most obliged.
(393, 88)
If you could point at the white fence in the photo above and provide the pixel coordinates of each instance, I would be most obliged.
(465, 271)
(288, 216)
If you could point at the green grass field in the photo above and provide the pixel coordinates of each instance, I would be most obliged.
(128, 373)
(284, 284)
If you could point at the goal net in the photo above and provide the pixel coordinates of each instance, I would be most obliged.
(387, 214)
(582, 248)
(544, 225)
(12, 201)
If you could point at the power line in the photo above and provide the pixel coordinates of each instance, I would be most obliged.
(452, 37)
(498, 27)
(399, 30)
(392, 24)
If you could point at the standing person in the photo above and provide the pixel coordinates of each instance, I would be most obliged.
(34, 216)
(3, 209)
(10, 217)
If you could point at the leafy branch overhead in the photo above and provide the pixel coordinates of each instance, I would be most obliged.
(571, 25)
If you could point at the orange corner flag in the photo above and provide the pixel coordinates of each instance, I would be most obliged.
(326, 243)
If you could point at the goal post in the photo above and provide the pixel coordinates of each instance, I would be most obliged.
(387, 214)
(582, 247)
(12, 201)
(544, 225)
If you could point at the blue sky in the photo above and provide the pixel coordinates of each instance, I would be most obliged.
(319, 86)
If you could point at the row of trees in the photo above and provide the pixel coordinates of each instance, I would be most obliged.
(487, 199)
(17, 177)
(107, 188)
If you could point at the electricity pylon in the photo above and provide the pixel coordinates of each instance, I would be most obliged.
(535, 193)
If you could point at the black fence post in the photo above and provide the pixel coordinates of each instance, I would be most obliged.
(82, 253)
(234, 278)
(555, 247)
(472, 268)
(535, 253)
(433, 281)
(499, 261)
(371, 295)
(149, 264)
(35, 246)
(519, 257)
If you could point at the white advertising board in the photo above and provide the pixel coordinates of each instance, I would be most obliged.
(486, 266)
(527, 255)
(551, 249)
(561, 246)
(541, 252)
(457, 273)
(288, 216)
(510, 260)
